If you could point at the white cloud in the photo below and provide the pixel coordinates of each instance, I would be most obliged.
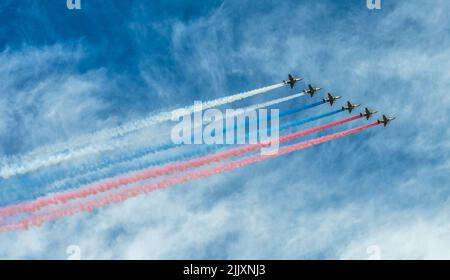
(388, 189)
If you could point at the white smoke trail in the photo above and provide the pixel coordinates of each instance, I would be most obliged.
(83, 145)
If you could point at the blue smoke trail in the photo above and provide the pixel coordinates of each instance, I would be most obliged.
(125, 167)
(307, 120)
(281, 115)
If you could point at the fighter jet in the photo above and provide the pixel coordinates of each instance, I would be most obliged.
(367, 113)
(350, 106)
(291, 80)
(311, 90)
(386, 120)
(330, 98)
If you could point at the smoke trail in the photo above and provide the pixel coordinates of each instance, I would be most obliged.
(164, 146)
(155, 172)
(297, 110)
(82, 146)
(65, 184)
(122, 195)
(169, 145)
(311, 119)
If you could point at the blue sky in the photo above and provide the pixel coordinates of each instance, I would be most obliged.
(67, 72)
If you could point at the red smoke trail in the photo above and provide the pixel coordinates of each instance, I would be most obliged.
(122, 195)
(154, 172)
